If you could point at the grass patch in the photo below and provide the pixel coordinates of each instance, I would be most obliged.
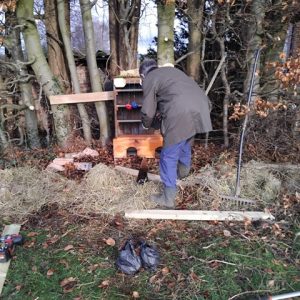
(198, 261)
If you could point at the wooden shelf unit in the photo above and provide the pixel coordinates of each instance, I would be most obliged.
(129, 132)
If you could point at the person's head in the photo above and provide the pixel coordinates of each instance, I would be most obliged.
(147, 66)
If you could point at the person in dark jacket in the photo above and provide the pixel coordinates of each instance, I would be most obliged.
(183, 110)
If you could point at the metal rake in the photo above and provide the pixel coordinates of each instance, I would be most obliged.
(236, 197)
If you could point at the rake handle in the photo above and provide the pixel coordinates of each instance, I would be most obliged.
(242, 135)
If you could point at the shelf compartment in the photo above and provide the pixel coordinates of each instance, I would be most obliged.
(128, 115)
(124, 98)
(132, 128)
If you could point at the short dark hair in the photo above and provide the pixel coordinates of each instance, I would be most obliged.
(147, 66)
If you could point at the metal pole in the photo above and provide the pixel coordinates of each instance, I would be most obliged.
(285, 296)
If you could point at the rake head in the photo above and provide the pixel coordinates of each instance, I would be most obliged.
(238, 200)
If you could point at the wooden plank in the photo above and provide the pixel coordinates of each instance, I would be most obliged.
(81, 98)
(197, 215)
(8, 229)
(272, 166)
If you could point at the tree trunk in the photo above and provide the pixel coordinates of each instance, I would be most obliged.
(123, 27)
(165, 41)
(220, 39)
(55, 53)
(25, 86)
(129, 14)
(195, 19)
(113, 39)
(42, 70)
(72, 67)
(93, 69)
(3, 139)
(277, 33)
(254, 36)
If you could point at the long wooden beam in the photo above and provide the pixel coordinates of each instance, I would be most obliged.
(81, 98)
(8, 229)
(198, 215)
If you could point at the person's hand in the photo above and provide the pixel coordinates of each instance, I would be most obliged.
(156, 121)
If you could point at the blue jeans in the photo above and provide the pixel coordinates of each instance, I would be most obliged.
(169, 158)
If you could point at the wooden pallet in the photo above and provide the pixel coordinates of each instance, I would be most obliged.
(145, 145)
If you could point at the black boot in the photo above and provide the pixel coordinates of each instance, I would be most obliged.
(167, 198)
(183, 170)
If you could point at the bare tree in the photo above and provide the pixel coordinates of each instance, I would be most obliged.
(93, 69)
(44, 75)
(72, 67)
(24, 83)
(55, 53)
(123, 33)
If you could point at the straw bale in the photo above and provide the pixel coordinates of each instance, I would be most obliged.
(106, 191)
(103, 190)
(25, 190)
(260, 185)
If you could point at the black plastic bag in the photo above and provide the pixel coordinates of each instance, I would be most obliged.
(128, 261)
(150, 256)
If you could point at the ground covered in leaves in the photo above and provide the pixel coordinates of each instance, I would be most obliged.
(69, 254)
(66, 256)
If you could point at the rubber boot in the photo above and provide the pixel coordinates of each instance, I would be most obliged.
(167, 198)
(183, 170)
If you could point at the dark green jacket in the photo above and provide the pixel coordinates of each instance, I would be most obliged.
(183, 105)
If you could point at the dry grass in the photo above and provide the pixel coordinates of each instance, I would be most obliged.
(259, 185)
(104, 190)
(25, 190)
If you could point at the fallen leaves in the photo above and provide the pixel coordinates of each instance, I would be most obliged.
(110, 241)
(226, 233)
(52, 240)
(104, 284)
(50, 272)
(32, 234)
(69, 247)
(68, 284)
(194, 277)
(64, 262)
(165, 271)
(135, 295)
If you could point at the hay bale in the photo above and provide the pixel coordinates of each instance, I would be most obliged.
(260, 185)
(103, 190)
(106, 191)
(27, 189)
